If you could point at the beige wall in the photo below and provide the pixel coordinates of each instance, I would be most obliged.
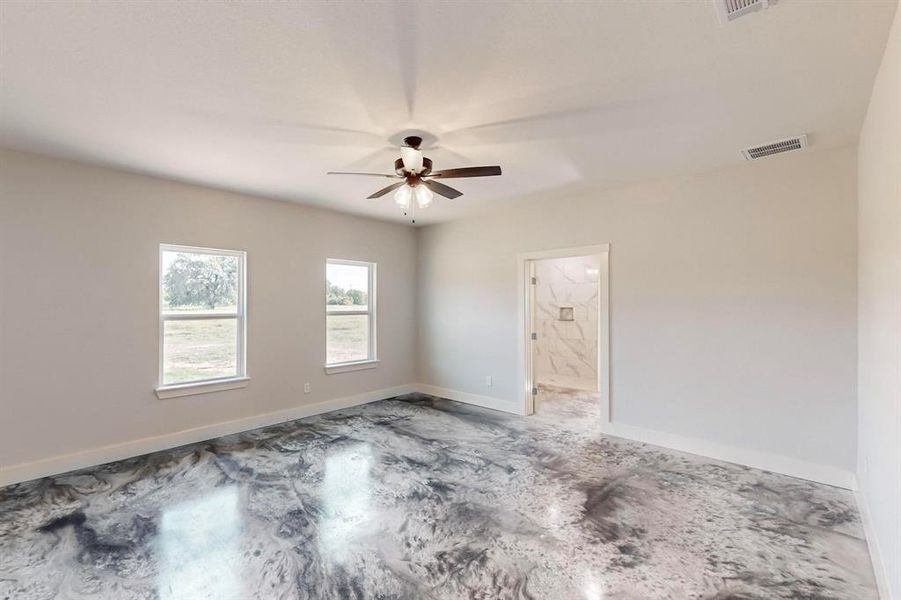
(79, 301)
(733, 301)
(879, 284)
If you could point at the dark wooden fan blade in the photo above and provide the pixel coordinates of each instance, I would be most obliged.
(385, 190)
(442, 190)
(467, 172)
(392, 176)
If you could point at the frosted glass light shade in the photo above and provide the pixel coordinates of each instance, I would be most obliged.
(403, 195)
(423, 196)
(412, 159)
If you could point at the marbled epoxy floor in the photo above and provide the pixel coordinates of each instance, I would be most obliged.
(425, 498)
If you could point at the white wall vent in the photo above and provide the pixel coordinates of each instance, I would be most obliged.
(729, 10)
(779, 146)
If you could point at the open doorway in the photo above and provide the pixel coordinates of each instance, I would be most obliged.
(565, 325)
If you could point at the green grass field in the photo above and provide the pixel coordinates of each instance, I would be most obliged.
(196, 350)
(347, 338)
(199, 350)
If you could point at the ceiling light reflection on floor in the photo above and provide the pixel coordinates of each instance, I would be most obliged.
(200, 546)
(592, 588)
(347, 504)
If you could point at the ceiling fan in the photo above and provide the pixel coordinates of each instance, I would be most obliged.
(418, 180)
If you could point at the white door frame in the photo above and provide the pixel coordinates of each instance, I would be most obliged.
(526, 265)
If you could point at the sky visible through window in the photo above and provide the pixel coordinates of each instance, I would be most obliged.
(348, 277)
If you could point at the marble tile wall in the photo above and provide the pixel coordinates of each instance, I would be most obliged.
(566, 352)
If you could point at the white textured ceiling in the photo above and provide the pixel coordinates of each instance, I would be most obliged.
(265, 97)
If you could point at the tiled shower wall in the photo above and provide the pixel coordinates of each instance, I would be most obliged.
(566, 352)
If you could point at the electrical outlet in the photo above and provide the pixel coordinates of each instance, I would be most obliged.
(488, 381)
(306, 388)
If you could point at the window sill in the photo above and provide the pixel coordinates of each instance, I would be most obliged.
(354, 366)
(189, 389)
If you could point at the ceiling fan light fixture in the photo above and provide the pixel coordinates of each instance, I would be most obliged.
(412, 158)
(424, 196)
(415, 181)
(403, 195)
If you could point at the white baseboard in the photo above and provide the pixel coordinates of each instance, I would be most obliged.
(98, 456)
(741, 456)
(467, 398)
(880, 571)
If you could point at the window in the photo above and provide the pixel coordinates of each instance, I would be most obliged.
(349, 315)
(201, 316)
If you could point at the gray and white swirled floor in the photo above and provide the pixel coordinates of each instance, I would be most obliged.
(419, 497)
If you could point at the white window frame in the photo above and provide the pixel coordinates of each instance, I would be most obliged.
(372, 361)
(216, 384)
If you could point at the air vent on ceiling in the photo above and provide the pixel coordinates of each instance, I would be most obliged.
(732, 9)
(786, 145)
